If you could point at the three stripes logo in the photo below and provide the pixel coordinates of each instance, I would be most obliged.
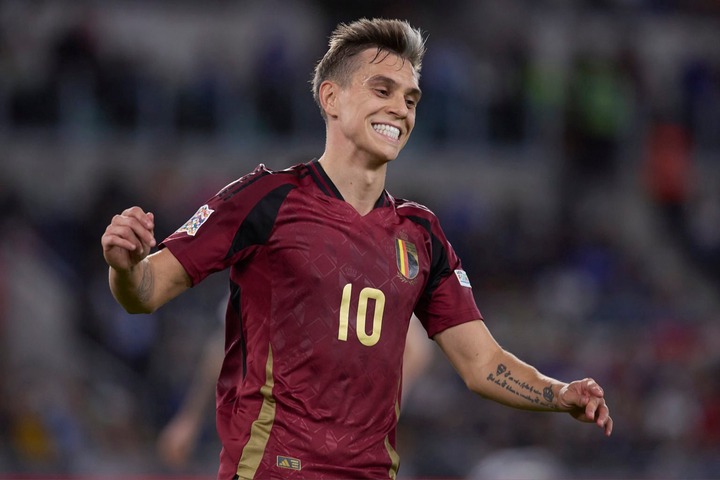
(288, 463)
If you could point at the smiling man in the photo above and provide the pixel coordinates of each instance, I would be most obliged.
(326, 269)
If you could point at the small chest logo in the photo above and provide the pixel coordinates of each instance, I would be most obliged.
(288, 462)
(193, 225)
(407, 258)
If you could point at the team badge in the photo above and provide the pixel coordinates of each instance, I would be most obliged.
(407, 258)
(288, 462)
(196, 221)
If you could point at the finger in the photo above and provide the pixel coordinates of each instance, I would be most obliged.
(609, 426)
(603, 415)
(134, 211)
(139, 227)
(147, 220)
(603, 419)
(593, 409)
(123, 237)
(137, 213)
(593, 387)
(112, 241)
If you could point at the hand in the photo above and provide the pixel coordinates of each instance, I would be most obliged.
(177, 440)
(128, 239)
(585, 401)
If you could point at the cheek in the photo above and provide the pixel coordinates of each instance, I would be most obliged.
(411, 121)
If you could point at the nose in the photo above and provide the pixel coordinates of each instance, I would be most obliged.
(399, 107)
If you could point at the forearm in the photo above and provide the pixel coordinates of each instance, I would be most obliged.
(510, 381)
(150, 283)
(133, 289)
(491, 371)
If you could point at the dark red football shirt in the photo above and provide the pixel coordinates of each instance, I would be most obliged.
(321, 298)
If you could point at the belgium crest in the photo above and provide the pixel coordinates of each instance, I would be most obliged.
(407, 258)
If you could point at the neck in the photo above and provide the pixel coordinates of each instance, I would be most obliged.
(359, 183)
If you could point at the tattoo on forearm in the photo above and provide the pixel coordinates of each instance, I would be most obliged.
(548, 394)
(145, 287)
(505, 379)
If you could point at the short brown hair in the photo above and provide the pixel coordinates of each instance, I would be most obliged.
(347, 40)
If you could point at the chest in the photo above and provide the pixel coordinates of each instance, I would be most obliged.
(343, 287)
(331, 244)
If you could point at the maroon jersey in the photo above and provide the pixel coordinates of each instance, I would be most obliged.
(321, 298)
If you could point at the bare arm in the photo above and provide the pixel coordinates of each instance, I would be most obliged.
(494, 373)
(179, 437)
(140, 282)
(417, 356)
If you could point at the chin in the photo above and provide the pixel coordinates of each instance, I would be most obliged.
(386, 158)
(385, 153)
(388, 155)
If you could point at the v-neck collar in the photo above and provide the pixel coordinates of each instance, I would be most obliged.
(326, 185)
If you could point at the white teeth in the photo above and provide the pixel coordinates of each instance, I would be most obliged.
(387, 130)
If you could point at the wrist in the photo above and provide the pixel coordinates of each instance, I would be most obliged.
(560, 402)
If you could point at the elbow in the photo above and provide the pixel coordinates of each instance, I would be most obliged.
(132, 304)
(481, 379)
(476, 384)
(135, 307)
(139, 309)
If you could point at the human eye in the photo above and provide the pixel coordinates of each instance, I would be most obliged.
(381, 91)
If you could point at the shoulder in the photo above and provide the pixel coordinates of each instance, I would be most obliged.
(262, 180)
(414, 210)
(421, 216)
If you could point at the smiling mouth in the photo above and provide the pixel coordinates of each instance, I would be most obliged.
(387, 130)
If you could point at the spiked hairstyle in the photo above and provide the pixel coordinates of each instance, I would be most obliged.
(347, 40)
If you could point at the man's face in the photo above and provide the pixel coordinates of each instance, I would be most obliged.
(376, 111)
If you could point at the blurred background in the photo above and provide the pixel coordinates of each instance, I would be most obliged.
(571, 149)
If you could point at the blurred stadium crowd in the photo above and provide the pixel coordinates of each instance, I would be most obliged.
(570, 148)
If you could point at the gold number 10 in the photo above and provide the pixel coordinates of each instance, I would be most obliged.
(366, 294)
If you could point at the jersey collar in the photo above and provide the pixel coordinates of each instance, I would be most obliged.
(322, 180)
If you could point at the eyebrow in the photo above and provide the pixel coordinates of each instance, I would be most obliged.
(382, 79)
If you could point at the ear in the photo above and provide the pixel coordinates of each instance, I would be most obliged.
(328, 95)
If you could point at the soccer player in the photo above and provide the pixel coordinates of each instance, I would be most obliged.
(326, 269)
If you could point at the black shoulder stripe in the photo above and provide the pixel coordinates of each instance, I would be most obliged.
(259, 222)
(383, 200)
(235, 304)
(236, 187)
(440, 267)
(323, 180)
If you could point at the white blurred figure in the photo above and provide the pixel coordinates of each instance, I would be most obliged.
(529, 463)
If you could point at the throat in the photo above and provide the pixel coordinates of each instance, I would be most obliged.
(361, 206)
(359, 186)
(362, 198)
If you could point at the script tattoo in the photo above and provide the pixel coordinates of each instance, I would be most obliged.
(503, 377)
